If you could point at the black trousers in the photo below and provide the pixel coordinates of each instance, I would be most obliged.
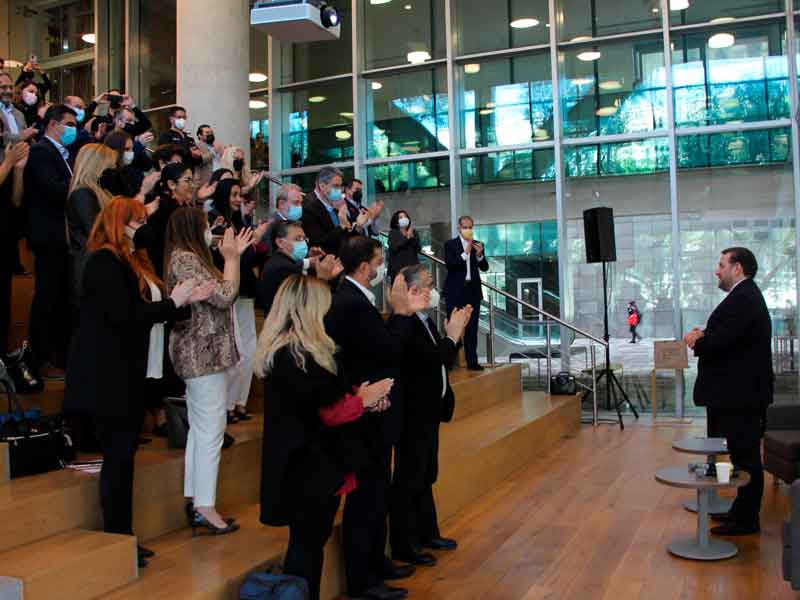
(118, 439)
(6, 272)
(309, 531)
(412, 514)
(471, 331)
(50, 311)
(364, 525)
(743, 433)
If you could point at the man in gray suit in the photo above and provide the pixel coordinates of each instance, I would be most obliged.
(13, 120)
(289, 205)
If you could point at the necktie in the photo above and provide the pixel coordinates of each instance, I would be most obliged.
(334, 216)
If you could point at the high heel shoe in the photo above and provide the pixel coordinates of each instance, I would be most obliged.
(200, 522)
(190, 512)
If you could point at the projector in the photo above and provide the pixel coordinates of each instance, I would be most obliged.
(297, 20)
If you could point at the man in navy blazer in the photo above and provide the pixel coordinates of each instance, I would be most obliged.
(735, 380)
(464, 257)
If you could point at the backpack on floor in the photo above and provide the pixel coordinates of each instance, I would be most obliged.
(269, 586)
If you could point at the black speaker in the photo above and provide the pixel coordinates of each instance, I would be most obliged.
(598, 229)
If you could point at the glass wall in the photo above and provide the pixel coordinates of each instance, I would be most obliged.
(157, 53)
(599, 87)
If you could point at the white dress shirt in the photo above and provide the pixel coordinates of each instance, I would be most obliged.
(368, 293)
(63, 151)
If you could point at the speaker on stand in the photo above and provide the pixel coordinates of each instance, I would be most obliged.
(601, 247)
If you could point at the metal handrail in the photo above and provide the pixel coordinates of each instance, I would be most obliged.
(549, 320)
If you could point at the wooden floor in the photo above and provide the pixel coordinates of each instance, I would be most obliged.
(587, 521)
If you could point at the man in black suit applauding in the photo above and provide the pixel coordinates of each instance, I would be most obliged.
(429, 400)
(370, 350)
(735, 380)
(465, 260)
(47, 178)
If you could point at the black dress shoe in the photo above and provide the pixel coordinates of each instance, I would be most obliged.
(145, 552)
(735, 528)
(392, 571)
(726, 517)
(475, 367)
(385, 592)
(142, 561)
(422, 559)
(440, 543)
(227, 441)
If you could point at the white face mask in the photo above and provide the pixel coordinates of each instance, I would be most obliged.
(404, 222)
(127, 157)
(433, 303)
(209, 238)
(379, 277)
(180, 124)
(29, 98)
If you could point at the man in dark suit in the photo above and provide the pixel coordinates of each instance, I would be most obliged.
(464, 257)
(370, 350)
(428, 401)
(735, 381)
(290, 259)
(47, 178)
(288, 207)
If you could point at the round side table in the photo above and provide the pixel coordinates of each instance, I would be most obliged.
(710, 448)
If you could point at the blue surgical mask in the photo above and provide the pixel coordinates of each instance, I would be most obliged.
(335, 194)
(300, 250)
(295, 213)
(80, 114)
(69, 136)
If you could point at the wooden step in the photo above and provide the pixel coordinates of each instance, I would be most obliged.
(5, 466)
(75, 564)
(478, 390)
(509, 435)
(50, 400)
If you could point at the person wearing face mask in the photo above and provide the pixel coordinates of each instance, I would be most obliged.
(404, 244)
(290, 258)
(177, 135)
(87, 197)
(426, 358)
(233, 159)
(117, 345)
(203, 351)
(465, 259)
(28, 103)
(174, 190)
(324, 212)
(210, 154)
(288, 207)
(122, 142)
(27, 77)
(47, 180)
(371, 349)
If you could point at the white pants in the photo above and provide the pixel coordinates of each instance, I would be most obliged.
(241, 376)
(206, 399)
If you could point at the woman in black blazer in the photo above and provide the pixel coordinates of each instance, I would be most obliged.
(310, 449)
(124, 304)
(404, 245)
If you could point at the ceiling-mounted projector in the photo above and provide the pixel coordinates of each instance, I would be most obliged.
(297, 20)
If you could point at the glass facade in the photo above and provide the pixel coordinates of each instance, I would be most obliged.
(395, 30)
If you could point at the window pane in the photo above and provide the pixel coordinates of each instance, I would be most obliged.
(258, 59)
(746, 81)
(485, 26)
(392, 30)
(312, 60)
(407, 114)
(640, 157)
(708, 10)
(259, 131)
(507, 102)
(307, 181)
(752, 207)
(318, 125)
(610, 17)
(157, 53)
(613, 88)
(520, 165)
(739, 148)
(48, 32)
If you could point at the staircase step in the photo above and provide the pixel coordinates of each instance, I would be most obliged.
(476, 391)
(75, 564)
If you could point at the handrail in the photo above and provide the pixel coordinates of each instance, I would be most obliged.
(542, 312)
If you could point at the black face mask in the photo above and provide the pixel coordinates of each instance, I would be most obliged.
(210, 139)
(114, 101)
(130, 129)
(357, 196)
(144, 238)
(238, 164)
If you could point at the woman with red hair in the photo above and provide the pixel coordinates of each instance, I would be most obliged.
(119, 342)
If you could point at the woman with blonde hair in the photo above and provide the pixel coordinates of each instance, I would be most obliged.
(119, 342)
(204, 351)
(233, 160)
(310, 446)
(86, 199)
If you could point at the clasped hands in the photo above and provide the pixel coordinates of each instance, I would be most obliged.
(691, 338)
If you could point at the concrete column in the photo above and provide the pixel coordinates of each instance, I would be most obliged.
(213, 55)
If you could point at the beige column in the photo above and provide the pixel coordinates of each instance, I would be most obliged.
(213, 55)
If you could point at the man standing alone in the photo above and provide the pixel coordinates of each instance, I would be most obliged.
(735, 380)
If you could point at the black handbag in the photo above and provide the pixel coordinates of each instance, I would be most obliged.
(563, 384)
(177, 422)
(36, 444)
(20, 367)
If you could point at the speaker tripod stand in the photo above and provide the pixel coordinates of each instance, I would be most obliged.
(615, 394)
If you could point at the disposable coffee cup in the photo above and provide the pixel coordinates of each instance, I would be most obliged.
(724, 470)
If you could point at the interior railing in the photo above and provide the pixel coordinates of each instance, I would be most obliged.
(547, 321)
